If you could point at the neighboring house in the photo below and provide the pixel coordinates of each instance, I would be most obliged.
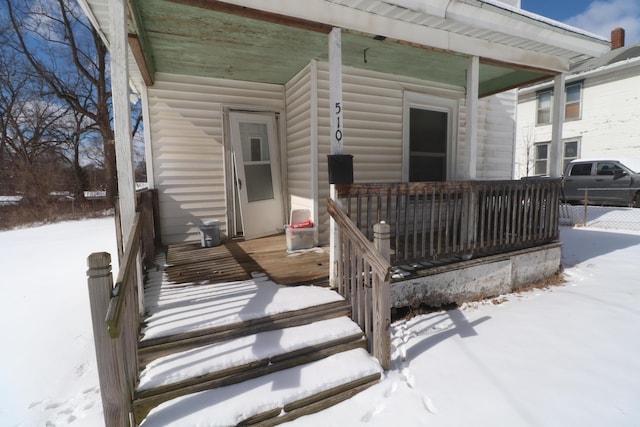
(601, 115)
(211, 72)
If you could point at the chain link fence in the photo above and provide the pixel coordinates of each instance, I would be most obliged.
(595, 208)
(610, 217)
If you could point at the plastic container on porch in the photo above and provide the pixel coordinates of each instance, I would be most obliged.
(210, 233)
(300, 232)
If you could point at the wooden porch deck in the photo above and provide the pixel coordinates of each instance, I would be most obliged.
(235, 260)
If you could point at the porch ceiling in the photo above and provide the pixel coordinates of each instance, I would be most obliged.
(198, 41)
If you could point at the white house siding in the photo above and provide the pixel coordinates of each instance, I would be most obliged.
(300, 134)
(609, 124)
(373, 104)
(496, 136)
(186, 123)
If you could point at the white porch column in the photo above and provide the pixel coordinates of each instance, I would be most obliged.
(122, 115)
(473, 78)
(557, 120)
(336, 122)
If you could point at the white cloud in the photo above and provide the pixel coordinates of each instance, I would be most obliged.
(602, 16)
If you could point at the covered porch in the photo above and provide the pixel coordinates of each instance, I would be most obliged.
(323, 77)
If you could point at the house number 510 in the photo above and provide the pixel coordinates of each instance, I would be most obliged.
(338, 124)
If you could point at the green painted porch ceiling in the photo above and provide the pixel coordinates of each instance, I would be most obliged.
(194, 41)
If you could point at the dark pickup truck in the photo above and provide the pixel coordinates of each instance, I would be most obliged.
(604, 181)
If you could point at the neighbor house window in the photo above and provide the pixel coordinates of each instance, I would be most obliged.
(570, 153)
(572, 106)
(544, 108)
(541, 156)
(541, 163)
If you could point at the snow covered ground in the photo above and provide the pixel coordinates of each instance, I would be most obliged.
(562, 356)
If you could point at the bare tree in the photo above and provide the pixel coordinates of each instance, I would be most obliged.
(528, 139)
(68, 55)
(30, 136)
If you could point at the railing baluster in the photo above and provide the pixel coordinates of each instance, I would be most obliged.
(439, 241)
(432, 216)
(406, 198)
(369, 223)
(423, 233)
(455, 246)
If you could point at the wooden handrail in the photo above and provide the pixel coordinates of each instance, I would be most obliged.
(376, 260)
(114, 311)
(363, 279)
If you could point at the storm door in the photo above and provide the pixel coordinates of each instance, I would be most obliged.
(257, 173)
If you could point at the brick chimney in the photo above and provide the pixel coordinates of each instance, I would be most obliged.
(617, 38)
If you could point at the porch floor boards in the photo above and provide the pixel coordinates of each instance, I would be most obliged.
(235, 260)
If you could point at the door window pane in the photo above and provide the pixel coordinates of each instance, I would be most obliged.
(257, 164)
(258, 183)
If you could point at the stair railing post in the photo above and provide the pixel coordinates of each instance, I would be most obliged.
(382, 239)
(382, 299)
(115, 403)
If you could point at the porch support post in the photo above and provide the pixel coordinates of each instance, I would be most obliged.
(335, 108)
(555, 152)
(122, 115)
(469, 211)
(473, 73)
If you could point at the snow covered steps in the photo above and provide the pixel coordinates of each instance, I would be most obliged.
(245, 352)
(239, 359)
(154, 347)
(275, 398)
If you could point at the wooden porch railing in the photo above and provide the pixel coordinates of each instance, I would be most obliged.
(363, 279)
(120, 306)
(436, 220)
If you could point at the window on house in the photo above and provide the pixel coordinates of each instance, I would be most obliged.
(540, 165)
(427, 145)
(544, 108)
(570, 153)
(541, 160)
(572, 106)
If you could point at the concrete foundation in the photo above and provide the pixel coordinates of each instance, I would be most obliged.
(476, 279)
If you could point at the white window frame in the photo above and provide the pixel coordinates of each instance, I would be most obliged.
(536, 160)
(567, 103)
(550, 92)
(565, 159)
(538, 109)
(433, 103)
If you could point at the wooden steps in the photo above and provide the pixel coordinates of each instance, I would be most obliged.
(160, 346)
(274, 398)
(242, 358)
(216, 346)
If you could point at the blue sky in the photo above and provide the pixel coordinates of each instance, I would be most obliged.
(596, 16)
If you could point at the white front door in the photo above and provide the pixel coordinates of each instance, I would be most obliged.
(255, 150)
